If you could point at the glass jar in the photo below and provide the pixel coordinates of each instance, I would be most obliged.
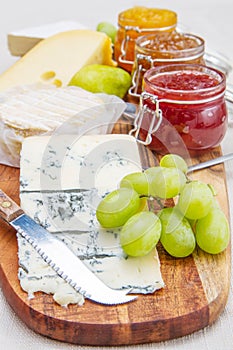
(135, 22)
(162, 49)
(187, 100)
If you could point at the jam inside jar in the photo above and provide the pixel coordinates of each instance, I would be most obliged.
(137, 21)
(192, 99)
(161, 49)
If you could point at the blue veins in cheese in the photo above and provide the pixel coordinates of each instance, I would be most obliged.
(61, 184)
(77, 162)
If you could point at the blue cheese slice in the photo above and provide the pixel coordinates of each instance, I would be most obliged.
(97, 163)
(36, 275)
(62, 162)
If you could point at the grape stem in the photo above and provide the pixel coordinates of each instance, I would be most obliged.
(153, 199)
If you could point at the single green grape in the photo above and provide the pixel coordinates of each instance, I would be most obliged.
(140, 233)
(108, 28)
(212, 231)
(138, 181)
(165, 182)
(143, 204)
(174, 161)
(195, 200)
(177, 236)
(192, 223)
(117, 207)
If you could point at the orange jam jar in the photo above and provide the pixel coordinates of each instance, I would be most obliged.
(163, 49)
(183, 103)
(135, 22)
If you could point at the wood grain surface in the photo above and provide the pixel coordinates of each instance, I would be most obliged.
(195, 294)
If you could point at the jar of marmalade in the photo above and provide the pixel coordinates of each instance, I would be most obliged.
(135, 22)
(161, 49)
(182, 103)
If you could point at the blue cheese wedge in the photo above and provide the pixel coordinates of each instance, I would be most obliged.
(60, 189)
(62, 162)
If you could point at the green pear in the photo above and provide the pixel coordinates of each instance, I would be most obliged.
(102, 78)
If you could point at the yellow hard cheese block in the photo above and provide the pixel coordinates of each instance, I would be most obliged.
(56, 59)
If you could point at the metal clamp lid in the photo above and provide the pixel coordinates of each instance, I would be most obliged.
(144, 62)
(125, 42)
(155, 116)
(138, 30)
(140, 62)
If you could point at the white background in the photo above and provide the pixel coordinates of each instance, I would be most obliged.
(211, 19)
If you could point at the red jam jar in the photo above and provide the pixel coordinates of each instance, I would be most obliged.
(191, 98)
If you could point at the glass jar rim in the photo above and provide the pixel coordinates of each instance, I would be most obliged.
(150, 51)
(220, 76)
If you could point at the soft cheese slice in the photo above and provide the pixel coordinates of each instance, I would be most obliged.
(66, 162)
(22, 40)
(66, 213)
(35, 275)
(97, 163)
(56, 59)
(34, 110)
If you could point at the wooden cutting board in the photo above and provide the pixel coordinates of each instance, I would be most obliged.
(195, 294)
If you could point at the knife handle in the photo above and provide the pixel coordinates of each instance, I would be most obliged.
(9, 210)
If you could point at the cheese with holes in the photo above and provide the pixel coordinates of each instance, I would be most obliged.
(56, 59)
(52, 182)
(34, 110)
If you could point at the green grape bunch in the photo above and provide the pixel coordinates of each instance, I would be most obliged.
(195, 219)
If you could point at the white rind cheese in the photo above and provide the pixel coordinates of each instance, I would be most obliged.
(42, 109)
(57, 58)
(97, 164)
(23, 40)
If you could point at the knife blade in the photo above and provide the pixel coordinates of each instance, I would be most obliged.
(56, 254)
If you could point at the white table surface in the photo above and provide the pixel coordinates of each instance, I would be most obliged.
(211, 19)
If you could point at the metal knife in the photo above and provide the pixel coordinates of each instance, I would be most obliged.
(60, 257)
(210, 162)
